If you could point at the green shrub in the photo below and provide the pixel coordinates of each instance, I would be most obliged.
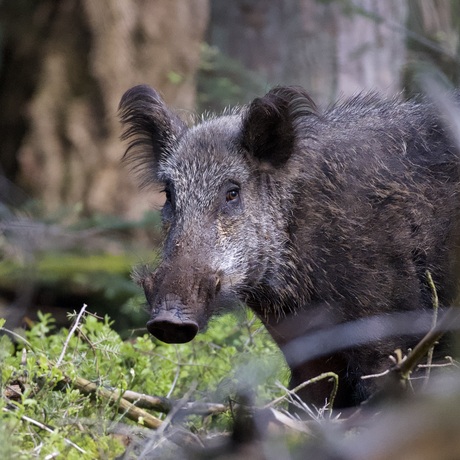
(45, 412)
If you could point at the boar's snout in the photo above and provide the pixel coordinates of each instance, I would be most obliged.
(181, 302)
(169, 327)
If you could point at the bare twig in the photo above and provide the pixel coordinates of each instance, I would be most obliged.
(374, 376)
(405, 367)
(449, 363)
(434, 292)
(176, 408)
(204, 409)
(157, 403)
(179, 437)
(326, 375)
(288, 421)
(17, 337)
(69, 336)
(46, 428)
(176, 376)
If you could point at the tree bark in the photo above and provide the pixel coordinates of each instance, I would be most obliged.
(330, 48)
(284, 41)
(371, 47)
(70, 151)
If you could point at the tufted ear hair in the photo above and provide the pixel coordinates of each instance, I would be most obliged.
(150, 128)
(270, 124)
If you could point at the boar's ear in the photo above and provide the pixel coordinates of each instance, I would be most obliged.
(270, 124)
(150, 128)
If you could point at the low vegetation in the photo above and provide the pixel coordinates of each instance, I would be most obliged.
(84, 392)
(93, 387)
(77, 392)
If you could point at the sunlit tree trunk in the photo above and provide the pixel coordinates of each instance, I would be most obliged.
(69, 152)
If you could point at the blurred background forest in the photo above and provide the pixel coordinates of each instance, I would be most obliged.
(72, 219)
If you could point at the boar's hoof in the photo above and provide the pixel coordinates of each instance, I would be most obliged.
(169, 328)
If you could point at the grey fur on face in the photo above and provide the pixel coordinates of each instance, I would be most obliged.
(311, 218)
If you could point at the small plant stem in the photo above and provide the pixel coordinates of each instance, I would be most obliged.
(48, 429)
(325, 375)
(18, 337)
(69, 336)
(176, 377)
(405, 367)
(433, 324)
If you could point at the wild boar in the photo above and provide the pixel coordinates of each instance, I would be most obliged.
(310, 218)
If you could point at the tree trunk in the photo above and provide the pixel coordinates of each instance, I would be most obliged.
(284, 41)
(371, 47)
(330, 48)
(93, 51)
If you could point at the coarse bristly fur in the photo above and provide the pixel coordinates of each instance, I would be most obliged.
(312, 218)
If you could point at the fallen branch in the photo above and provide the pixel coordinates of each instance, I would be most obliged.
(156, 403)
(114, 396)
(164, 405)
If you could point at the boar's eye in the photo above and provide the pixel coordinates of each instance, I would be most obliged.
(233, 200)
(167, 192)
(232, 194)
(167, 211)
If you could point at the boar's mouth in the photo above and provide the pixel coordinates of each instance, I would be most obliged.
(171, 327)
(181, 303)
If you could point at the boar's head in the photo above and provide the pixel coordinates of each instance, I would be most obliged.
(225, 217)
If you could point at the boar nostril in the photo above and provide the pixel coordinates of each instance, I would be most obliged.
(171, 329)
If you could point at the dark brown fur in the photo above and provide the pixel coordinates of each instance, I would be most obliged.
(311, 218)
